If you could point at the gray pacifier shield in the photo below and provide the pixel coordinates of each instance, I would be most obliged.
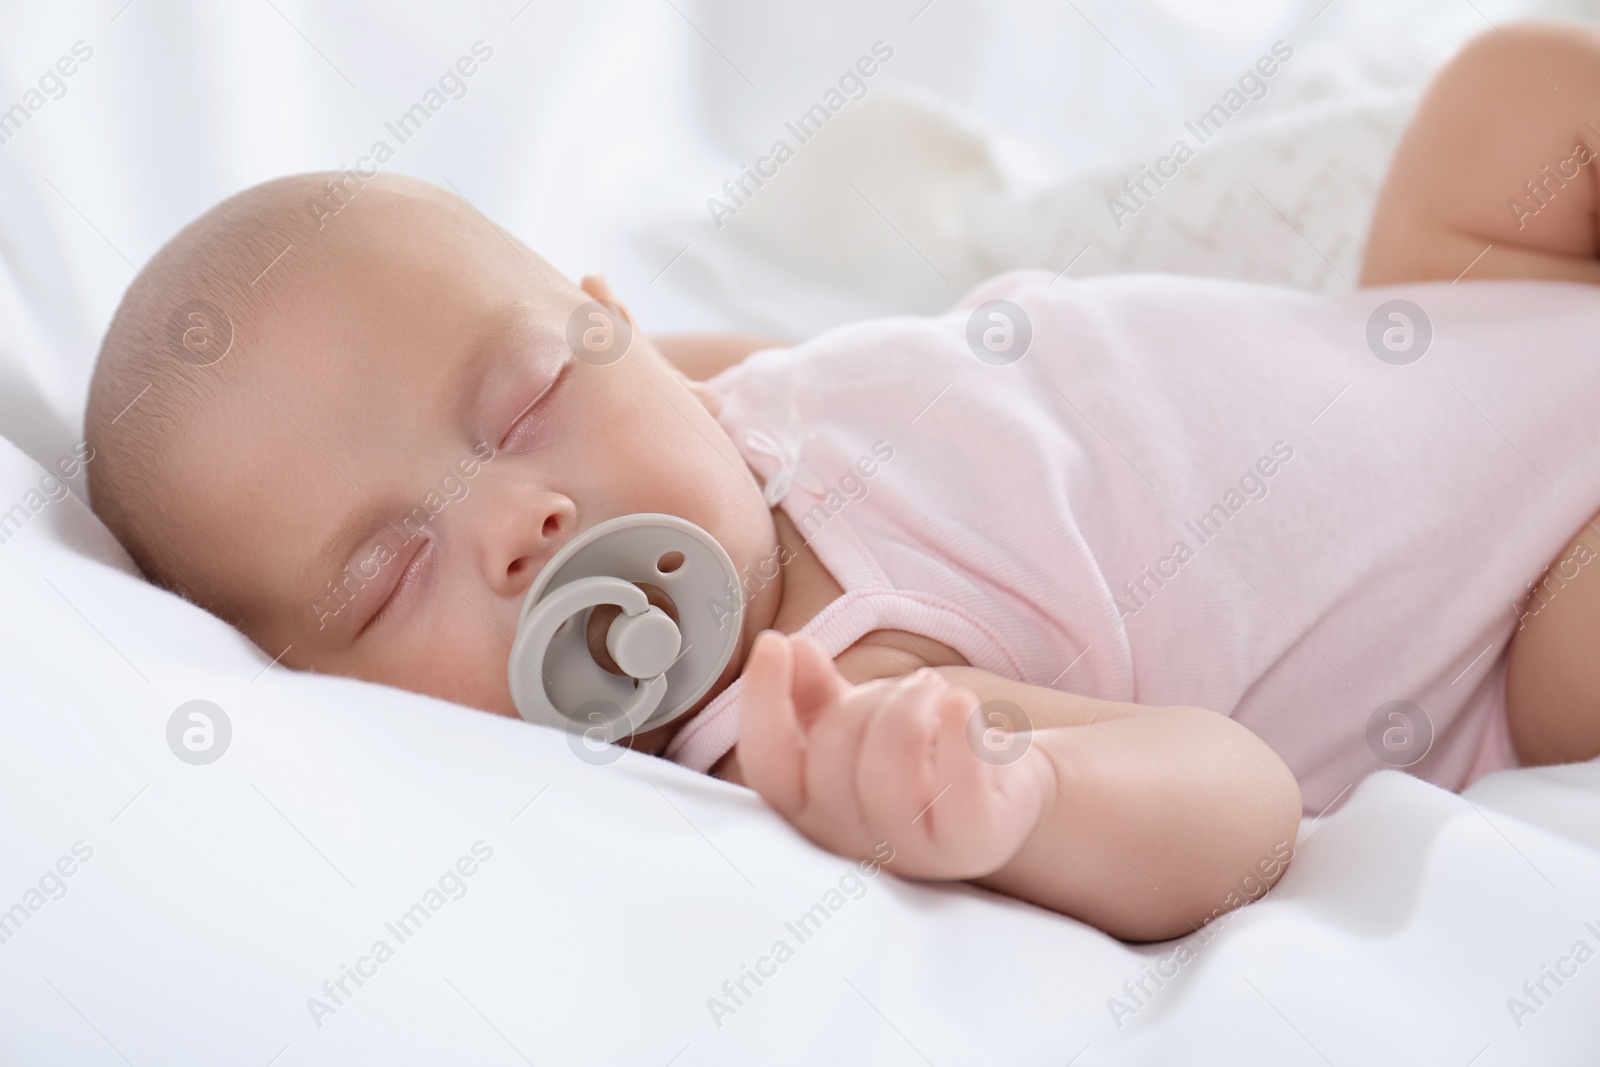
(605, 565)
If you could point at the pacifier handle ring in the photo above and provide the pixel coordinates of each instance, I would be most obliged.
(531, 701)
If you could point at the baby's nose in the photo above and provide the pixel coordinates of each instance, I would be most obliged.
(522, 536)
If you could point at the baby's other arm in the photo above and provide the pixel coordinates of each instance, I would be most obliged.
(1497, 170)
(697, 355)
(1143, 821)
(705, 355)
(1505, 151)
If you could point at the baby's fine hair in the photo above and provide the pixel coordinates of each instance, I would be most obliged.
(173, 342)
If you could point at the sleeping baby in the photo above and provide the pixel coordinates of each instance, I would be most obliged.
(1083, 591)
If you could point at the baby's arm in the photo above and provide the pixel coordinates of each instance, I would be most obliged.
(1500, 155)
(705, 355)
(698, 355)
(1142, 821)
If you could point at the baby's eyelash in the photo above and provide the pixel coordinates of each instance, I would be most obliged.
(538, 409)
(383, 609)
(388, 602)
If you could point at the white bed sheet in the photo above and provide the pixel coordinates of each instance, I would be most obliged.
(619, 899)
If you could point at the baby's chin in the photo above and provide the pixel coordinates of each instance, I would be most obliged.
(653, 741)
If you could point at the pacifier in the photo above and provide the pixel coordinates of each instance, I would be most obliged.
(626, 627)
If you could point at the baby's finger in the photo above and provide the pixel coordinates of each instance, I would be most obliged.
(956, 763)
(834, 811)
(772, 749)
(895, 776)
(1000, 802)
(817, 682)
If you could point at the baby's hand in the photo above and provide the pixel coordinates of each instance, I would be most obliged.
(889, 760)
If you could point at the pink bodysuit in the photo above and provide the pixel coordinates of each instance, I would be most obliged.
(1201, 492)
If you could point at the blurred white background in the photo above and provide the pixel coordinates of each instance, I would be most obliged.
(598, 130)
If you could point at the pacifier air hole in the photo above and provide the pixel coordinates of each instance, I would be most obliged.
(601, 616)
(562, 622)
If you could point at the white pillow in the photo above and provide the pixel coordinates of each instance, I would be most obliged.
(607, 905)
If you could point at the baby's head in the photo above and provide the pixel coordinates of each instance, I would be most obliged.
(322, 426)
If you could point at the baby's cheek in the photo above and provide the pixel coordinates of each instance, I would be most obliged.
(464, 664)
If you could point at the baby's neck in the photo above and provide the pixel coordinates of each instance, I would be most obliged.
(808, 588)
(807, 585)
